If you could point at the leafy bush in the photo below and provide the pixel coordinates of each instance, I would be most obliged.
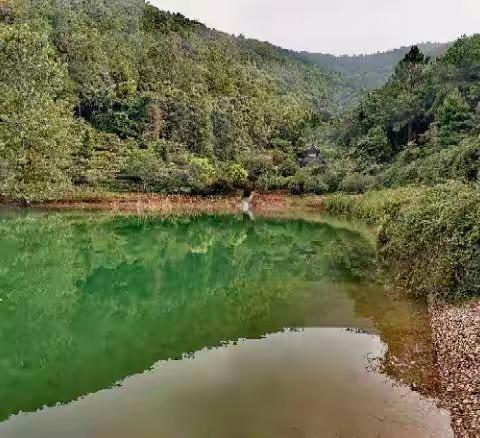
(271, 182)
(434, 242)
(288, 168)
(453, 117)
(423, 166)
(230, 176)
(257, 165)
(144, 166)
(202, 174)
(428, 237)
(315, 184)
(357, 183)
(372, 207)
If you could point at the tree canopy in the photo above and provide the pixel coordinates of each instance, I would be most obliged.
(125, 97)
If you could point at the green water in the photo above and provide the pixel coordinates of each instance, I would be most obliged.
(95, 306)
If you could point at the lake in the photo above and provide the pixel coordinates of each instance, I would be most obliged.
(206, 326)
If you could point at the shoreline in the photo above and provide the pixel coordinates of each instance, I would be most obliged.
(455, 326)
(262, 203)
(456, 333)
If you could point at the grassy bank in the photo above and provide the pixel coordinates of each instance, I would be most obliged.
(279, 203)
(428, 237)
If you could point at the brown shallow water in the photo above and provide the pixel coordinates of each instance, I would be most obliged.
(206, 327)
(309, 383)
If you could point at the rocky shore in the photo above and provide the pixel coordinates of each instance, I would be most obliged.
(456, 331)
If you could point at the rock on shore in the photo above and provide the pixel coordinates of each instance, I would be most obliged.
(456, 331)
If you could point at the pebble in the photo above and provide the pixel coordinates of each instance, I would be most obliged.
(456, 331)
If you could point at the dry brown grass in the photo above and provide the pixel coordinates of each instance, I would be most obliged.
(165, 204)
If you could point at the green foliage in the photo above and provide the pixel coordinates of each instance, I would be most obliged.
(202, 174)
(287, 168)
(372, 207)
(236, 174)
(430, 238)
(112, 80)
(257, 166)
(453, 117)
(316, 184)
(373, 147)
(37, 132)
(424, 166)
(434, 242)
(357, 183)
(370, 71)
(99, 158)
(423, 125)
(144, 166)
(465, 53)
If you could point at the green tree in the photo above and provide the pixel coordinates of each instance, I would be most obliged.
(37, 131)
(453, 117)
(143, 166)
(374, 147)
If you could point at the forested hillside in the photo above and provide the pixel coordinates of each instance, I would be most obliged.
(371, 71)
(418, 136)
(122, 96)
(423, 126)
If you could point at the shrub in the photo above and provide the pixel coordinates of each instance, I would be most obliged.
(202, 174)
(460, 162)
(288, 168)
(230, 176)
(236, 174)
(272, 182)
(143, 165)
(429, 237)
(434, 241)
(316, 185)
(372, 207)
(357, 183)
(452, 118)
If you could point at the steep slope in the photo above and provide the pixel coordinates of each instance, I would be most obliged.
(124, 96)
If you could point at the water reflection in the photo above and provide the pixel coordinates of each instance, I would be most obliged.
(292, 384)
(89, 300)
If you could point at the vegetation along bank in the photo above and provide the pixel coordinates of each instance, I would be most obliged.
(120, 97)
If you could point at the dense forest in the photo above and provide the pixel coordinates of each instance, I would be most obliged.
(413, 146)
(422, 126)
(370, 71)
(124, 97)
(102, 97)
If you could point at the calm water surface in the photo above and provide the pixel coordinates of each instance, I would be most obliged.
(210, 326)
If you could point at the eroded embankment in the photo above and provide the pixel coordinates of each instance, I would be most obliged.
(456, 332)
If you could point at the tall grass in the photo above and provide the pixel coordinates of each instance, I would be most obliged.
(428, 237)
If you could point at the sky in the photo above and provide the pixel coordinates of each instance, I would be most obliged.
(336, 26)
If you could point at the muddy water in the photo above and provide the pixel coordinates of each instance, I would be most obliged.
(124, 326)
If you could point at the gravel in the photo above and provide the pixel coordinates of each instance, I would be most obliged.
(456, 332)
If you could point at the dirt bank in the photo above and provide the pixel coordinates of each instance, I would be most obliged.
(456, 331)
(278, 201)
(273, 205)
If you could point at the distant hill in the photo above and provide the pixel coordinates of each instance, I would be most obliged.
(370, 71)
